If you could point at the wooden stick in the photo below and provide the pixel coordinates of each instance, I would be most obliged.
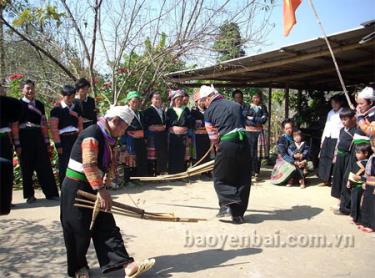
(205, 155)
(332, 55)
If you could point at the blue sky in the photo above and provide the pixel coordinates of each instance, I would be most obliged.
(336, 16)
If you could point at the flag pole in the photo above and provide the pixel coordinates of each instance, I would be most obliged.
(332, 55)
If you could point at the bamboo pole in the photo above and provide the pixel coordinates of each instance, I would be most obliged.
(269, 120)
(332, 55)
(205, 167)
(205, 155)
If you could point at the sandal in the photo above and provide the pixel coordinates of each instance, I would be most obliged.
(366, 230)
(143, 267)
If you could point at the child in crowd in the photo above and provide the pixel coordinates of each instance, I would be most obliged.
(299, 151)
(344, 154)
(367, 218)
(357, 178)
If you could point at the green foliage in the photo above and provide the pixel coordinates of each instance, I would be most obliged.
(39, 16)
(229, 42)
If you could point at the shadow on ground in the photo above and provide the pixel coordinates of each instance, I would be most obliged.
(293, 214)
(166, 266)
(201, 260)
(31, 249)
(39, 203)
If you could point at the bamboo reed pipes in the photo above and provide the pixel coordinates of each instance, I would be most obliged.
(90, 202)
(197, 170)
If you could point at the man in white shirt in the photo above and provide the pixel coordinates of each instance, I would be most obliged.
(329, 139)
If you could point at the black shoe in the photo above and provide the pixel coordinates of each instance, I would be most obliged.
(53, 198)
(31, 200)
(339, 212)
(223, 212)
(238, 220)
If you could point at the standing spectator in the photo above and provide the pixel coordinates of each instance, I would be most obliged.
(256, 116)
(329, 139)
(157, 140)
(9, 113)
(201, 140)
(34, 145)
(134, 141)
(65, 123)
(85, 102)
(237, 96)
(367, 218)
(344, 151)
(178, 121)
(357, 178)
(366, 112)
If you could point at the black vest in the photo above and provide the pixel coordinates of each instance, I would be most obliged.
(10, 109)
(64, 116)
(92, 131)
(28, 115)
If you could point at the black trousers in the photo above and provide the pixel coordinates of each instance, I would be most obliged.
(367, 217)
(34, 157)
(339, 179)
(106, 236)
(326, 158)
(161, 145)
(67, 142)
(176, 153)
(232, 178)
(6, 174)
(356, 197)
(252, 137)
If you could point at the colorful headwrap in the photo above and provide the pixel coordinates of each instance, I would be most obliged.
(176, 94)
(132, 94)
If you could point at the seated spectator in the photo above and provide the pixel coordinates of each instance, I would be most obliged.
(284, 167)
(299, 151)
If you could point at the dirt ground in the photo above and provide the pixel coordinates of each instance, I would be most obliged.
(289, 232)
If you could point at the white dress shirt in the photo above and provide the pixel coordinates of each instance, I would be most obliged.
(333, 125)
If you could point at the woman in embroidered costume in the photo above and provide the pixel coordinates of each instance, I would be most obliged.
(178, 121)
(133, 142)
(201, 140)
(157, 143)
(256, 116)
(89, 170)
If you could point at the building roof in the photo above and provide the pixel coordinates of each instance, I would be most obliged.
(305, 65)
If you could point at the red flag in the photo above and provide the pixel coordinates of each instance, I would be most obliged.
(289, 9)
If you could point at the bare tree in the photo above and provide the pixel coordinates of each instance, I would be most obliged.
(123, 26)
